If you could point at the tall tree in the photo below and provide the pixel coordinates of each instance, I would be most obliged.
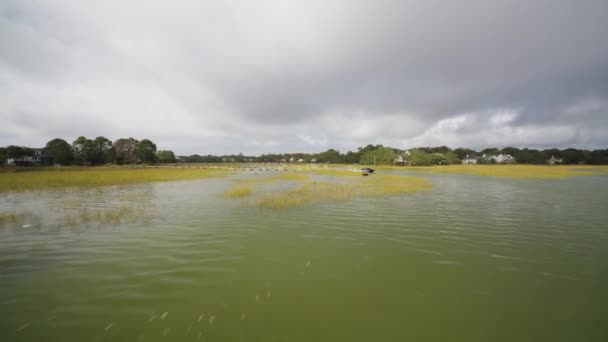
(104, 151)
(330, 156)
(2, 155)
(125, 151)
(165, 156)
(60, 151)
(145, 151)
(83, 150)
(16, 152)
(420, 157)
(381, 156)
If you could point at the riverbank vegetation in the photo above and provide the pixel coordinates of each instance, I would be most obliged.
(128, 151)
(420, 156)
(514, 171)
(45, 178)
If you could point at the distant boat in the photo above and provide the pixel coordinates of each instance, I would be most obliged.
(367, 170)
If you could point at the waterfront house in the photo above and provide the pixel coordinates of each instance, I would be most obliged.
(499, 159)
(401, 161)
(554, 160)
(504, 159)
(39, 157)
(468, 159)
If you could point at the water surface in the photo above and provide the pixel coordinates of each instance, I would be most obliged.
(474, 259)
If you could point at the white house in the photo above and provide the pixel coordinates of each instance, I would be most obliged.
(469, 159)
(401, 161)
(35, 159)
(503, 158)
(499, 159)
(554, 160)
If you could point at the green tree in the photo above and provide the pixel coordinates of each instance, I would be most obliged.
(352, 157)
(490, 151)
(2, 155)
(452, 158)
(145, 151)
(382, 156)
(60, 151)
(103, 151)
(419, 157)
(330, 156)
(165, 156)
(462, 152)
(83, 150)
(16, 152)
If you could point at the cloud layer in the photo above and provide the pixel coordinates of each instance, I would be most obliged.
(270, 76)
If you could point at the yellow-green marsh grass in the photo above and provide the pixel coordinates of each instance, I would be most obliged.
(244, 187)
(323, 191)
(10, 217)
(289, 176)
(513, 171)
(238, 190)
(98, 176)
(127, 213)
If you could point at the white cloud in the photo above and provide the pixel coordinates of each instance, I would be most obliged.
(268, 76)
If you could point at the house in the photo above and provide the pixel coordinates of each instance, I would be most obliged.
(554, 160)
(499, 159)
(313, 160)
(503, 158)
(401, 161)
(468, 159)
(300, 160)
(39, 157)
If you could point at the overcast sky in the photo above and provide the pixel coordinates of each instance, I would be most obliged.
(284, 76)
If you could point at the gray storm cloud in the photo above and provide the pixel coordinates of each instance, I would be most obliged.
(269, 76)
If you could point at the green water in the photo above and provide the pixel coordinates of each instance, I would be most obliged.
(474, 259)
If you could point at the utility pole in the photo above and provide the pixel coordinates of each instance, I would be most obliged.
(374, 161)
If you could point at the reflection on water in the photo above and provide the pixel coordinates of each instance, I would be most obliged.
(473, 259)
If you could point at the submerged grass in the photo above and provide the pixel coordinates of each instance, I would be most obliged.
(97, 176)
(324, 191)
(239, 190)
(245, 187)
(10, 217)
(513, 171)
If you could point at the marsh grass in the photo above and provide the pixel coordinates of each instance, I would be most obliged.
(126, 213)
(511, 171)
(238, 190)
(325, 191)
(245, 187)
(98, 176)
(10, 217)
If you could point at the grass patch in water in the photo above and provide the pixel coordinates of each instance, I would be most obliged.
(10, 217)
(323, 191)
(98, 176)
(245, 187)
(127, 213)
(238, 190)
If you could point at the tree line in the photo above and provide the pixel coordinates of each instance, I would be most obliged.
(91, 152)
(383, 155)
(100, 151)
